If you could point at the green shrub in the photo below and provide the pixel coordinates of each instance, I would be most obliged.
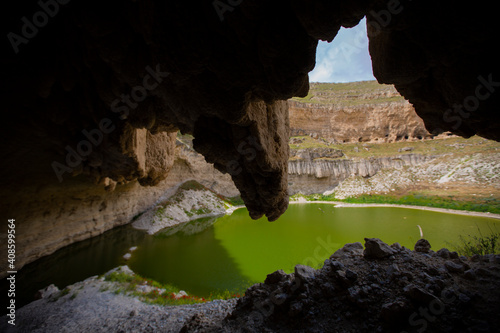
(481, 205)
(481, 244)
(235, 201)
(127, 284)
(118, 277)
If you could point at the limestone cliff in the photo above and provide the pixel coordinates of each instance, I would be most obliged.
(355, 112)
(49, 218)
(190, 165)
(321, 175)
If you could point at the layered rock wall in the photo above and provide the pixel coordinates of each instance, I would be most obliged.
(366, 122)
(51, 217)
(321, 175)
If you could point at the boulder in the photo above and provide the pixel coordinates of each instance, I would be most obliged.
(47, 292)
(419, 295)
(453, 267)
(376, 249)
(304, 273)
(349, 250)
(443, 253)
(394, 311)
(422, 246)
(275, 277)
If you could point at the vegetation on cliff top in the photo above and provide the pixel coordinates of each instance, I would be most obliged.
(454, 145)
(473, 204)
(351, 93)
(491, 205)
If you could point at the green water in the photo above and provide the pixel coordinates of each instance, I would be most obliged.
(234, 252)
(73, 263)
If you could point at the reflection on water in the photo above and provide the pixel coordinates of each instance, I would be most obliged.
(189, 228)
(233, 252)
(191, 258)
(203, 256)
(74, 263)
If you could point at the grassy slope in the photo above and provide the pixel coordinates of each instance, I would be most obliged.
(455, 145)
(473, 197)
(478, 204)
(348, 93)
(127, 284)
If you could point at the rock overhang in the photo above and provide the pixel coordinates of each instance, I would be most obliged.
(220, 70)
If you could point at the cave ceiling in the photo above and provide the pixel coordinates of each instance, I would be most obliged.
(99, 88)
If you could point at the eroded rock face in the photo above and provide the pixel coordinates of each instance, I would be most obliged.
(255, 153)
(323, 174)
(159, 67)
(356, 112)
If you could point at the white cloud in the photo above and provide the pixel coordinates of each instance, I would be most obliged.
(322, 72)
(345, 59)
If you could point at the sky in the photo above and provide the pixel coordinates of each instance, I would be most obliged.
(345, 59)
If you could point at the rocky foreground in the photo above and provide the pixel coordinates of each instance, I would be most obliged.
(379, 289)
(375, 288)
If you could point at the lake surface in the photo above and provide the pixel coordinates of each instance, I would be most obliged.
(233, 252)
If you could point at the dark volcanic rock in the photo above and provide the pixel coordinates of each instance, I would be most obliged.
(422, 246)
(304, 273)
(376, 249)
(348, 250)
(443, 253)
(275, 277)
(454, 267)
(420, 295)
(356, 294)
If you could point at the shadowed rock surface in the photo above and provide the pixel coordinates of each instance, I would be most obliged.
(386, 289)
